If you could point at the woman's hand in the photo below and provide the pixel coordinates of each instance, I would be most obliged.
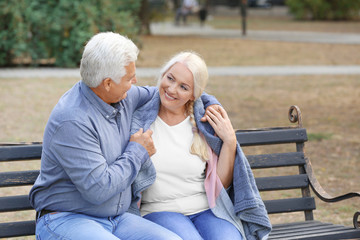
(214, 106)
(221, 123)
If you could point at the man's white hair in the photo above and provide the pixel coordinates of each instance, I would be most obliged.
(105, 56)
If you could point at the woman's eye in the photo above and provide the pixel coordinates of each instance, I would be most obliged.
(170, 78)
(184, 88)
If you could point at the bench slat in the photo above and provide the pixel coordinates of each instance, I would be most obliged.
(331, 235)
(16, 229)
(290, 232)
(19, 178)
(327, 234)
(312, 230)
(20, 152)
(295, 225)
(271, 136)
(282, 182)
(276, 160)
(15, 203)
(289, 205)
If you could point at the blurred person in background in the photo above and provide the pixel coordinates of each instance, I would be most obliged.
(187, 7)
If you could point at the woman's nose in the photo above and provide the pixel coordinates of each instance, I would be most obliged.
(172, 88)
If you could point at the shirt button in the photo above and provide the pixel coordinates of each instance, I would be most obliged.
(107, 116)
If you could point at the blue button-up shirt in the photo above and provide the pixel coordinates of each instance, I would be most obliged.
(88, 163)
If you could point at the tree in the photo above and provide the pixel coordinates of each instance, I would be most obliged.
(324, 9)
(33, 30)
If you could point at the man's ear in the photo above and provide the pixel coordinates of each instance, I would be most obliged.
(107, 84)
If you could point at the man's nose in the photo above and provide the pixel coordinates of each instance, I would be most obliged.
(134, 80)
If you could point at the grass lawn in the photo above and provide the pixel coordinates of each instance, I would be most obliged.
(330, 104)
(239, 52)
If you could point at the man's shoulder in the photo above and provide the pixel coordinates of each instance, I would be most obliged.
(71, 106)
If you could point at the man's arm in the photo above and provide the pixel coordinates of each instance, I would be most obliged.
(78, 151)
(141, 95)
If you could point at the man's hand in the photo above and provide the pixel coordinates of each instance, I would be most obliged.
(215, 107)
(145, 139)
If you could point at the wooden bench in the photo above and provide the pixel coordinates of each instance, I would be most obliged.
(302, 181)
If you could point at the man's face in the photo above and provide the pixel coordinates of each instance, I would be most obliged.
(118, 91)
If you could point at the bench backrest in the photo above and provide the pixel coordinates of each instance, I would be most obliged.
(247, 139)
(278, 179)
(11, 153)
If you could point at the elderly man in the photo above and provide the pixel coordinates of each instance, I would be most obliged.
(89, 159)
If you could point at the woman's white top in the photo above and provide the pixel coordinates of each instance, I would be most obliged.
(179, 185)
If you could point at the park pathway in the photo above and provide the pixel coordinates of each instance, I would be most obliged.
(169, 29)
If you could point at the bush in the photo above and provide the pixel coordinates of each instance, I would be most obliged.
(324, 9)
(33, 30)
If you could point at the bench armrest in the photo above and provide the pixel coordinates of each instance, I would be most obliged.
(356, 220)
(319, 191)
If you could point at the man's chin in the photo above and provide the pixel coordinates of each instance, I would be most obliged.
(123, 97)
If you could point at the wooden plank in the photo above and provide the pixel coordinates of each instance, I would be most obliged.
(272, 136)
(328, 234)
(20, 178)
(289, 205)
(295, 225)
(20, 152)
(276, 160)
(291, 232)
(333, 235)
(15, 203)
(16, 229)
(282, 182)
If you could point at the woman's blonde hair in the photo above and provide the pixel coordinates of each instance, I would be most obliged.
(198, 68)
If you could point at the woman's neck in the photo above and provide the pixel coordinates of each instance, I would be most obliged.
(172, 118)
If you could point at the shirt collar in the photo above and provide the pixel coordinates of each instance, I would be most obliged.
(107, 110)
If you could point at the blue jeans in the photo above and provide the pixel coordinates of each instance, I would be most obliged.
(203, 225)
(66, 225)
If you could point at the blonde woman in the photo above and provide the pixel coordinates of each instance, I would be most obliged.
(194, 161)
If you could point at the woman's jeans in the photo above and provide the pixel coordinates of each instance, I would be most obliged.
(66, 225)
(203, 225)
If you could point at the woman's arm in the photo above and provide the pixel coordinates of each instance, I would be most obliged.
(221, 123)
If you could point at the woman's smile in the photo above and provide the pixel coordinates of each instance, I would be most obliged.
(168, 96)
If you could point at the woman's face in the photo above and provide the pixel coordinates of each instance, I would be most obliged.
(176, 88)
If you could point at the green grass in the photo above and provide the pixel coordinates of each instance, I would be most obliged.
(319, 136)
